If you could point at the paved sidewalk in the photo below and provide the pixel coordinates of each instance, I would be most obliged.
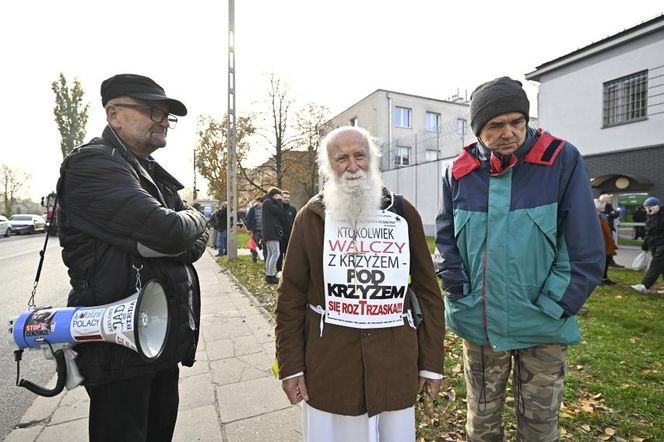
(229, 395)
(626, 255)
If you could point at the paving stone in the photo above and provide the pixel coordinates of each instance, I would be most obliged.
(221, 349)
(198, 424)
(29, 434)
(72, 431)
(233, 370)
(75, 405)
(252, 398)
(196, 391)
(283, 426)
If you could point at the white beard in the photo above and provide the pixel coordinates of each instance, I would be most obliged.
(352, 200)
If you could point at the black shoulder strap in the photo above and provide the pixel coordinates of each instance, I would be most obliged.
(398, 205)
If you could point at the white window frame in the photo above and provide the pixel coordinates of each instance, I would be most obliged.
(431, 155)
(432, 117)
(402, 156)
(402, 117)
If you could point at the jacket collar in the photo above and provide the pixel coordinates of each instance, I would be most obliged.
(473, 155)
(111, 137)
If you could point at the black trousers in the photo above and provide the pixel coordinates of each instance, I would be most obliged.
(143, 408)
(283, 245)
(656, 267)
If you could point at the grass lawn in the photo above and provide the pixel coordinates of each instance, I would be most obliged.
(615, 382)
(622, 241)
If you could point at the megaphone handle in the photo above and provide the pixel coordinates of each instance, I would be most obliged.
(74, 378)
(59, 386)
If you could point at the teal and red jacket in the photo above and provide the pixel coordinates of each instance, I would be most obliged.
(522, 249)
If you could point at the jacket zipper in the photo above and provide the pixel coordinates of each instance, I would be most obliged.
(485, 321)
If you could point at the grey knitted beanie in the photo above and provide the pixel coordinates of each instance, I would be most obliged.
(494, 98)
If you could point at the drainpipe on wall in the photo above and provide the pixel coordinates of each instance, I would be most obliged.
(389, 130)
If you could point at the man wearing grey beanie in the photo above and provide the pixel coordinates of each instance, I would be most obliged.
(522, 250)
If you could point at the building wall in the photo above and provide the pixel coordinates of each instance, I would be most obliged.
(638, 163)
(571, 98)
(374, 113)
(422, 186)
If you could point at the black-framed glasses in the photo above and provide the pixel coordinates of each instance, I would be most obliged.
(156, 115)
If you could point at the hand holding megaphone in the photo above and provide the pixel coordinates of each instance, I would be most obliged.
(138, 322)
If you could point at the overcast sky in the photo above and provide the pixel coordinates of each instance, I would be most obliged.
(330, 52)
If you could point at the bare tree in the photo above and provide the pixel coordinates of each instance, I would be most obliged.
(212, 148)
(12, 181)
(71, 115)
(281, 142)
(311, 124)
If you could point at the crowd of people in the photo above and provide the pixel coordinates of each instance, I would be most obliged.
(360, 316)
(268, 222)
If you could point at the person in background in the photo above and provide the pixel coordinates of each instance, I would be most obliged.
(254, 224)
(654, 242)
(273, 228)
(213, 222)
(289, 214)
(521, 252)
(221, 226)
(640, 216)
(609, 244)
(359, 376)
(611, 216)
(122, 223)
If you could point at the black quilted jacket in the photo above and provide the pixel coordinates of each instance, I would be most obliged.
(117, 212)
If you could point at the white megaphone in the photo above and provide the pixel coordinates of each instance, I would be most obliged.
(138, 322)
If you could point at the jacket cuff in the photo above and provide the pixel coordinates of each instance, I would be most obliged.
(430, 374)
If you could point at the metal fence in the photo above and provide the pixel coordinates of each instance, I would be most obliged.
(427, 146)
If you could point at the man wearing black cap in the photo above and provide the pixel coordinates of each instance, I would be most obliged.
(522, 251)
(653, 242)
(122, 224)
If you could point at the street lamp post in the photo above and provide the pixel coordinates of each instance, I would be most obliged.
(231, 175)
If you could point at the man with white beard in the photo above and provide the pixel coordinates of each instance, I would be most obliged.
(357, 270)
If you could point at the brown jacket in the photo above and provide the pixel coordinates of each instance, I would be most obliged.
(609, 245)
(352, 371)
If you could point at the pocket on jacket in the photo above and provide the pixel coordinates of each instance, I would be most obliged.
(529, 323)
(533, 246)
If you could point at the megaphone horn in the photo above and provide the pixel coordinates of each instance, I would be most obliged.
(138, 322)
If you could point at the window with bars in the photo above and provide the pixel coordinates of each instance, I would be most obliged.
(401, 116)
(625, 99)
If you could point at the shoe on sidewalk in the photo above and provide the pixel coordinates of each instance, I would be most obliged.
(640, 288)
(271, 279)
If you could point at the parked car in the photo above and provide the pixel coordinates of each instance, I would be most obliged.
(5, 226)
(54, 230)
(27, 223)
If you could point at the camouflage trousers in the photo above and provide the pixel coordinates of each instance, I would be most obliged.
(537, 382)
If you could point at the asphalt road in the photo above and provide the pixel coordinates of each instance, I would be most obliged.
(19, 257)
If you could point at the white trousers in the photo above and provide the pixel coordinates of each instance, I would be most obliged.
(388, 426)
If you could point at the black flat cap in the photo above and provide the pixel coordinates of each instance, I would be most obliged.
(138, 86)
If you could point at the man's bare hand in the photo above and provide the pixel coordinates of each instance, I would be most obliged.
(295, 389)
(432, 385)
